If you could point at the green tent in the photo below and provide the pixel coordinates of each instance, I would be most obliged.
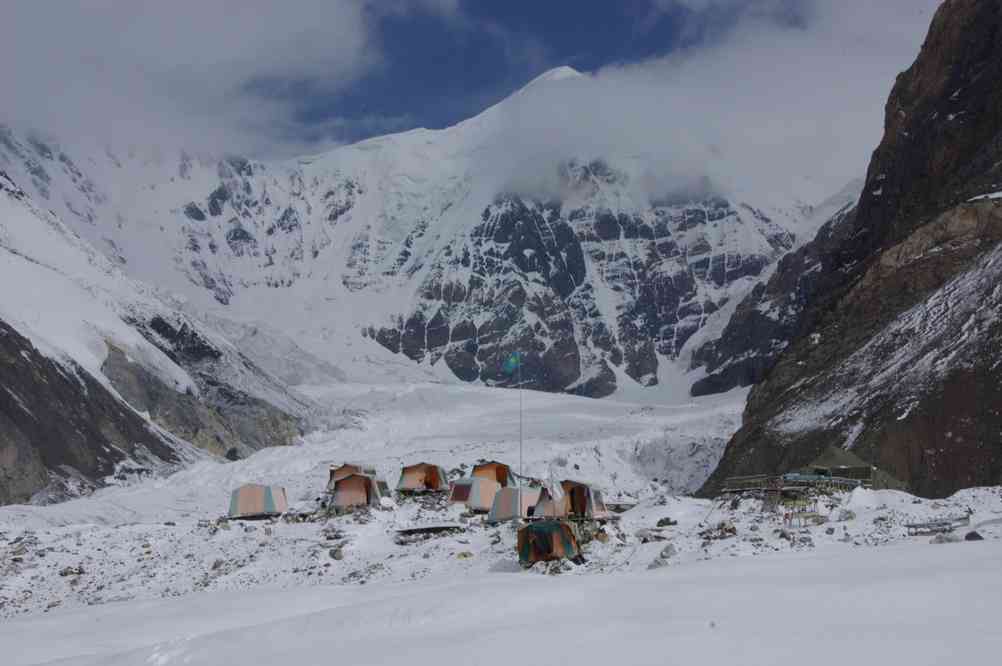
(547, 540)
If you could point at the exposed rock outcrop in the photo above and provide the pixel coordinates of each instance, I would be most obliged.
(579, 290)
(62, 431)
(888, 333)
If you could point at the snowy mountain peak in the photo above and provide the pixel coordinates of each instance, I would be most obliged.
(432, 247)
(561, 73)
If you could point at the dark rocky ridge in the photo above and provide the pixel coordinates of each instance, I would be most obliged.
(529, 277)
(223, 418)
(775, 312)
(60, 429)
(907, 275)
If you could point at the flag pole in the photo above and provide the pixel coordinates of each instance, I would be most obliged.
(521, 479)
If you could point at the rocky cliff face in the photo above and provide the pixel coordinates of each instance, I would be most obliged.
(883, 333)
(580, 290)
(63, 433)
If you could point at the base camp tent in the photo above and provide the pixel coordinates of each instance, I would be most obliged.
(583, 501)
(579, 500)
(495, 471)
(338, 472)
(475, 492)
(355, 490)
(252, 500)
(547, 506)
(505, 506)
(547, 540)
(423, 477)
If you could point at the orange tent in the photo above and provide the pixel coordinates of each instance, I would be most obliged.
(423, 477)
(583, 501)
(355, 490)
(477, 493)
(495, 471)
(253, 500)
(338, 472)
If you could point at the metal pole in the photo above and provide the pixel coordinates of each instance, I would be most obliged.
(521, 479)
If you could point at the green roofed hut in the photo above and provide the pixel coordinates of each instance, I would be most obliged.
(547, 540)
(253, 500)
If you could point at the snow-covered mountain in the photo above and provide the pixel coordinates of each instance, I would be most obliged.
(106, 378)
(421, 244)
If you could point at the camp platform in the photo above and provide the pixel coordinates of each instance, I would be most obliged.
(428, 529)
(937, 526)
(790, 482)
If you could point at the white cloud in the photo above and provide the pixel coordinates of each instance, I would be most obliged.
(758, 104)
(181, 71)
(759, 108)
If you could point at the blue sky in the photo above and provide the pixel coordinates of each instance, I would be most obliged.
(439, 70)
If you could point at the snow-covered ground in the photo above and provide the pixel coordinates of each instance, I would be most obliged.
(120, 539)
(915, 604)
(162, 539)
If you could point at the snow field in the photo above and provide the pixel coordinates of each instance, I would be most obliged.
(902, 604)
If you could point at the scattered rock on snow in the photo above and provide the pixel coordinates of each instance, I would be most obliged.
(946, 537)
(648, 535)
(663, 557)
(973, 536)
(725, 529)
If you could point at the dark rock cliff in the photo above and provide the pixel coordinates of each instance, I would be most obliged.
(63, 431)
(578, 291)
(882, 334)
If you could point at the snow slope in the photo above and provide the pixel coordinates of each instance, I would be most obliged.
(188, 382)
(162, 539)
(449, 425)
(903, 604)
(121, 536)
